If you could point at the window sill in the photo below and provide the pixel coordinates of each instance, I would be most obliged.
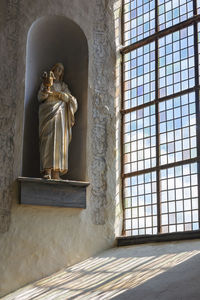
(164, 237)
(60, 193)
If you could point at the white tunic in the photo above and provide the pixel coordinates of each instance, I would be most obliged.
(56, 118)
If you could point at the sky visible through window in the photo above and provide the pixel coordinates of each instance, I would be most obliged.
(161, 53)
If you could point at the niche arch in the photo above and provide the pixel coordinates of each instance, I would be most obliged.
(53, 39)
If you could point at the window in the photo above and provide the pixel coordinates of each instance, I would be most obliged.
(160, 116)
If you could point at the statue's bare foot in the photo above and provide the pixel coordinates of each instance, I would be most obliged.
(47, 174)
(56, 175)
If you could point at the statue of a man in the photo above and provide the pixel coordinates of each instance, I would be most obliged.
(56, 118)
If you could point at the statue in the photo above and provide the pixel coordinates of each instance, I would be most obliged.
(56, 117)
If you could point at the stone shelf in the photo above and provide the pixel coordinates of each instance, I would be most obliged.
(61, 193)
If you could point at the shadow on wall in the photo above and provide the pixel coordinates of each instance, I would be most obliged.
(50, 40)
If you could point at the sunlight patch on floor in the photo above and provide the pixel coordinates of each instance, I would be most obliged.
(105, 276)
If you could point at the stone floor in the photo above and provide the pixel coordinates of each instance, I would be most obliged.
(166, 271)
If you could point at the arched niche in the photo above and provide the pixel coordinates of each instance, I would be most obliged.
(53, 39)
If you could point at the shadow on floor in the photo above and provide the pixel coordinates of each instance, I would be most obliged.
(166, 271)
(179, 283)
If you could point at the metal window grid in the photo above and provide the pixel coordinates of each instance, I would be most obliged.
(166, 221)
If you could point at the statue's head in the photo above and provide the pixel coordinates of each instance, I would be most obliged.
(58, 70)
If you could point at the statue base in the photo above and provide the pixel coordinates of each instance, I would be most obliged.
(50, 192)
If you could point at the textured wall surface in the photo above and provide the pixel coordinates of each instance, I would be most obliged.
(8, 69)
(37, 241)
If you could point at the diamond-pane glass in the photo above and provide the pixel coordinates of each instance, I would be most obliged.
(141, 204)
(177, 129)
(179, 198)
(140, 139)
(139, 76)
(172, 12)
(176, 62)
(139, 20)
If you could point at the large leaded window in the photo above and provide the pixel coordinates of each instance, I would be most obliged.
(160, 116)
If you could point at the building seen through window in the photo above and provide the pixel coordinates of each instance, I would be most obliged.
(160, 116)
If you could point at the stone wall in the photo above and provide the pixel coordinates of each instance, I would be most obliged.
(8, 46)
(36, 241)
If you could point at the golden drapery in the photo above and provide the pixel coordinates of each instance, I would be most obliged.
(56, 118)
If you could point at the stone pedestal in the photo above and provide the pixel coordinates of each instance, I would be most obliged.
(62, 193)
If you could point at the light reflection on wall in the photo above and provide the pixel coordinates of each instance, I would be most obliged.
(118, 208)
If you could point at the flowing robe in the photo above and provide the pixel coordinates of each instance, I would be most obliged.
(56, 118)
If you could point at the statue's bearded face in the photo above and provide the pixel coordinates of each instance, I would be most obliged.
(58, 72)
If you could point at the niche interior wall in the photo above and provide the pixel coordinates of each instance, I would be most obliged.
(53, 39)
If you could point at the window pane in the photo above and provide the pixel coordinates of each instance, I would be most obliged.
(139, 76)
(179, 198)
(176, 62)
(141, 204)
(165, 107)
(177, 129)
(172, 12)
(198, 6)
(140, 130)
(139, 20)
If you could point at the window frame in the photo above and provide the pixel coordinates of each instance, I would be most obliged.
(126, 49)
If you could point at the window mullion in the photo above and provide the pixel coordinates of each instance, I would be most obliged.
(122, 22)
(195, 7)
(122, 140)
(157, 140)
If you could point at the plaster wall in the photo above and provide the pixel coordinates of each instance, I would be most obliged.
(37, 241)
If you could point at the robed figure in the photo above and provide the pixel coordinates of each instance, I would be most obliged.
(56, 117)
